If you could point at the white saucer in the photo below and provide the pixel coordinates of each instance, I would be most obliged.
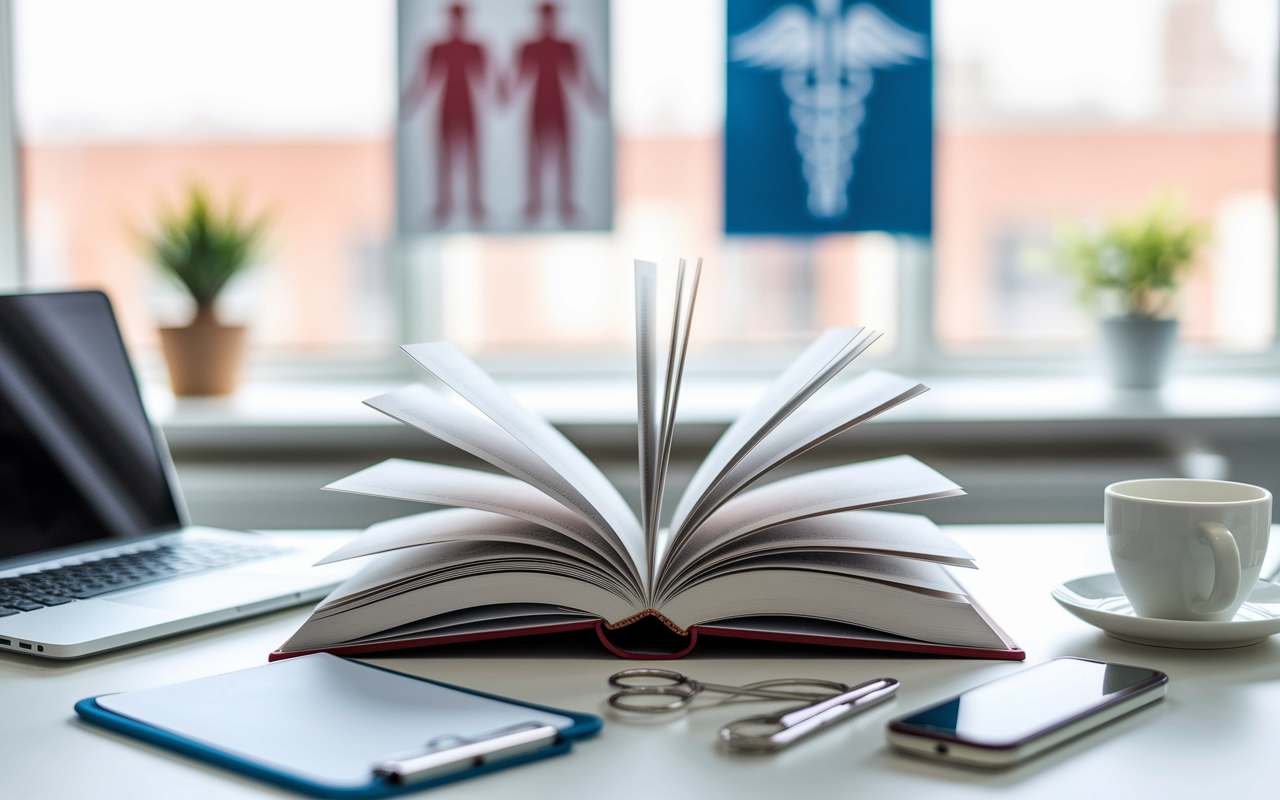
(1099, 601)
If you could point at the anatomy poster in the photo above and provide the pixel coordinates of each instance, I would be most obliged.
(829, 117)
(504, 116)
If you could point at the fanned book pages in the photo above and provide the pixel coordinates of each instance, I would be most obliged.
(552, 546)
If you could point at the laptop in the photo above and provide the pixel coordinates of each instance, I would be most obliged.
(96, 551)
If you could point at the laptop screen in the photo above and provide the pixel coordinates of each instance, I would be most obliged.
(78, 460)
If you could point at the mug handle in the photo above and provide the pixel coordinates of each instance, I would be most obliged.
(1226, 569)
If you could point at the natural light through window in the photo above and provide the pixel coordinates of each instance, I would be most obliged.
(1046, 113)
(1064, 112)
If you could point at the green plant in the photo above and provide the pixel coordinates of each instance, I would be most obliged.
(202, 247)
(1138, 261)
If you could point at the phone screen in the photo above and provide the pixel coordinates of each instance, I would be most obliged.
(1015, 708)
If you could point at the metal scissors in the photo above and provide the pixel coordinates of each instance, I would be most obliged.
(770, 732)
(762, 733)
(643, 698)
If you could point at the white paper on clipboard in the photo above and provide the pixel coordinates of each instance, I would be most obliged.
(319, 717)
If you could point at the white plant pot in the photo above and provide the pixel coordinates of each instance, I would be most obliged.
(1138, 350)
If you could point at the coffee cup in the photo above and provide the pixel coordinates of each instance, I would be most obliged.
(1185, 548)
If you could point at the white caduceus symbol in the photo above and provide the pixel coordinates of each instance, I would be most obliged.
(826, 63)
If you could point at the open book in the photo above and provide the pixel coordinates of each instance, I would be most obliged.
(555, 547)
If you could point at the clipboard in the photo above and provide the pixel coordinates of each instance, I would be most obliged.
(331, 727)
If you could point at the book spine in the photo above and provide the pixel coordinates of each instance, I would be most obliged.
(643, 655)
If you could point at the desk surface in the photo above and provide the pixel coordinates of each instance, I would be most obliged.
(1214, 735)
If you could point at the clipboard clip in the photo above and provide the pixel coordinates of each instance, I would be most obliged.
(445, 755)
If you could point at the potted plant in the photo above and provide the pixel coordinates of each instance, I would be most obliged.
(202, 248)
(1128, 273)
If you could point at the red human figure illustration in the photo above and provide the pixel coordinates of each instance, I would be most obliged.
(460, 67)
(552, 65)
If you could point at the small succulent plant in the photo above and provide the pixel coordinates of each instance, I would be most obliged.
(202, 246)
(1134, 262)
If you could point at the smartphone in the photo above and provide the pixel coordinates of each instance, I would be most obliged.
(1013, 718)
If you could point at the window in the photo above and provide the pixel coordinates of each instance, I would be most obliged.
(1045, 112)
(1072, 110)
(571, 293)
(287, 105)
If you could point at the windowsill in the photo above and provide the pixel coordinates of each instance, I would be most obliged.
(331, 415)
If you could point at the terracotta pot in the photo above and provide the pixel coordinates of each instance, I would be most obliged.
(204, 358)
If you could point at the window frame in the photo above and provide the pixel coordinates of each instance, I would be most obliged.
(11, 246)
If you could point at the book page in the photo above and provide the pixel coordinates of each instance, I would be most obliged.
(646, 279)
(924, 614)
(820, 362)
(521, 624)
(904, 535)
(459, 524)
(343, 624)
(510, 615)
(861, 399)
(681, 323)
(389, 574)
(432, 412)
(469, 488)
(899, 479)
(462, 375)
(901, 571)
(678, 347)
(801, 626)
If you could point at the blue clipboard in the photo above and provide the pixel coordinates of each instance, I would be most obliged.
(319, 725)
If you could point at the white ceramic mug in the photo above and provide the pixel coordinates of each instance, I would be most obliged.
(1187, 549)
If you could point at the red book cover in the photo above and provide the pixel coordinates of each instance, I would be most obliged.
(648, 640)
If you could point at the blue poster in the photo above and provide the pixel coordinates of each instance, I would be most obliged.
(829, 117)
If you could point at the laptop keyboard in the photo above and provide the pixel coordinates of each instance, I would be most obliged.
(89, 578)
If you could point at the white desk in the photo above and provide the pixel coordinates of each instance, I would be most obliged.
(1214, 736)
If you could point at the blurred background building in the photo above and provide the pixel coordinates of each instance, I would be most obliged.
(1046, 111)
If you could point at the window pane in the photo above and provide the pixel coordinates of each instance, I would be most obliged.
(1074, 110)
(287, 105)
(572, 293)
(290, 106)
